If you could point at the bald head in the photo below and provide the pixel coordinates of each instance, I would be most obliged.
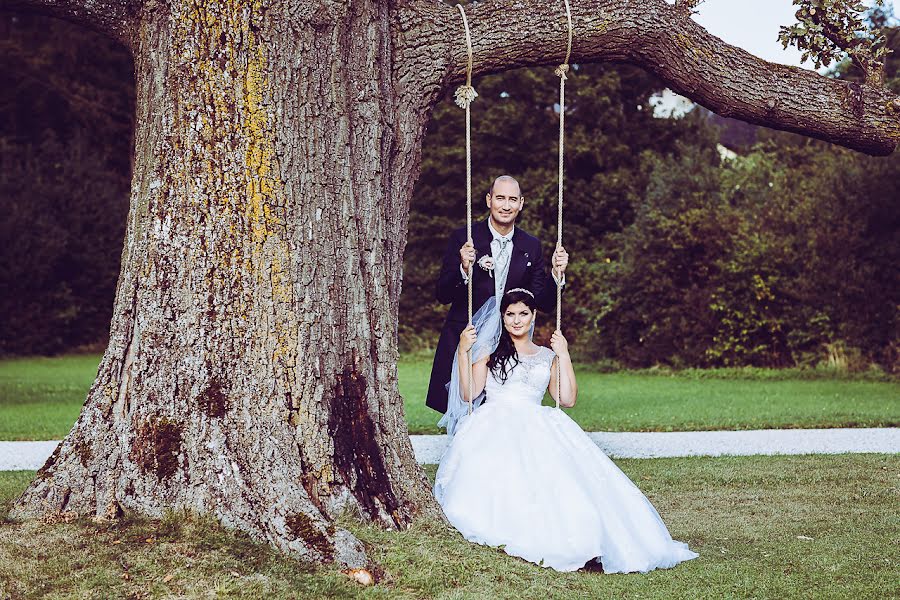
(505, 202)
(507, 179)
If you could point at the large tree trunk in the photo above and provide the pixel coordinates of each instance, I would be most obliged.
(251, 372)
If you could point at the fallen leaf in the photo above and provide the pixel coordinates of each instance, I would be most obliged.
(360, 576)
(168, 578)
(150, 540)
(117, 542)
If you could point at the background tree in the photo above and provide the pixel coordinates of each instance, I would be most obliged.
(66, 127)
(251, 371)
(785, 255)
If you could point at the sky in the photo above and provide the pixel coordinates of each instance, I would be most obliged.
(752, 25)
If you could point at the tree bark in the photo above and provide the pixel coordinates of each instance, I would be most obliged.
(252, 366)
(115, 18)
(251, 372)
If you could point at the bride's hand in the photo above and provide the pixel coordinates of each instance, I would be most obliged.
(467, 339)
(559, 343)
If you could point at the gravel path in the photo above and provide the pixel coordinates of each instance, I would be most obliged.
(20, 456)
(31, 455)
(715, 443)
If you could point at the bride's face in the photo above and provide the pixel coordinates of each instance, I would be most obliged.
(517, 319)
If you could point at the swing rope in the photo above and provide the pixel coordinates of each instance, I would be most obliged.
(561, 71)
(465, 94)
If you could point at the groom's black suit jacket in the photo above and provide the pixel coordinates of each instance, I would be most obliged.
(526, 270)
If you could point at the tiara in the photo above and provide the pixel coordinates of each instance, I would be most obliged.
(520, 290)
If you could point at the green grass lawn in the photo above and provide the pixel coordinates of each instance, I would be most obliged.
(765, 527)
(694, 401)
(40, 398)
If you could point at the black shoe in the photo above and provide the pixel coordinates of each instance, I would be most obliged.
(593, 566)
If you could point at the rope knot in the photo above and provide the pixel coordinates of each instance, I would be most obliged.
(561, 71)
(465, 95)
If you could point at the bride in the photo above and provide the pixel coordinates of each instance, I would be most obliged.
(525, 476)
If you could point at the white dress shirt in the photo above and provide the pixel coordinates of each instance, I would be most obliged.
(495, 251)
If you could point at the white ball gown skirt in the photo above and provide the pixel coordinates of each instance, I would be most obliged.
(526, 477)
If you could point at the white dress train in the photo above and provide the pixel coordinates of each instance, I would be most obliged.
(526, 477)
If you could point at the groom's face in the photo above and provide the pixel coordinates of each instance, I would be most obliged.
(505, 202)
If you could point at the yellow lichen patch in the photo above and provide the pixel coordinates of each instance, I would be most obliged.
(326, 477)
(281, 290)
(684, 41)
(285, 353)
(225, 121)
(687, 43)
(603, 25)
(259, 154)
(227, 167)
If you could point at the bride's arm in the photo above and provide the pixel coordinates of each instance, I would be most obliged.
(479, 369)
(569, 388)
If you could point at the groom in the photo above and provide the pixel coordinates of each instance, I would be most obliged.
(505, 257)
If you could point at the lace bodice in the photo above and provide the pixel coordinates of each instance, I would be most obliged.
(526, 382)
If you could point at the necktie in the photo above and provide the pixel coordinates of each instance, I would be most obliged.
(501, 267)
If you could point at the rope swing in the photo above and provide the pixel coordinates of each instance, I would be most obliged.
(561, 71)
(465, 94)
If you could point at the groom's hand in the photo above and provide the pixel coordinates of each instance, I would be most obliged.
(467, 339)
(467, 256)
(560, 261)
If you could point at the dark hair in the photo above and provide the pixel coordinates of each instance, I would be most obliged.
(499, 362)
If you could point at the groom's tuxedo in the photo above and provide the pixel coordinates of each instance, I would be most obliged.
(526, 270)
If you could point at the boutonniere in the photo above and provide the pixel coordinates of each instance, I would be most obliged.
(486, 262)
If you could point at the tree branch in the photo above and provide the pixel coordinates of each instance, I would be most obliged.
(663, 40)
(115, 18)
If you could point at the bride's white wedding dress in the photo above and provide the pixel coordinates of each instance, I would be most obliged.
(526, 477)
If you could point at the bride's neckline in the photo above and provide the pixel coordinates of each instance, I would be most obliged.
(532, 354)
